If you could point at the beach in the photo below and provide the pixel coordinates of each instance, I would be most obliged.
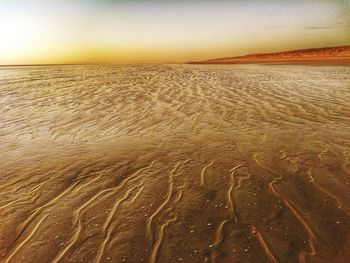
(175, 163)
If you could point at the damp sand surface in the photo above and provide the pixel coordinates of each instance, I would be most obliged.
(175, 163)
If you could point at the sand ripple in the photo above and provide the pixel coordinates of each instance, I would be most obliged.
(175, 163)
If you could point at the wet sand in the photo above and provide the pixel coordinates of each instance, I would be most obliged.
(175, 163)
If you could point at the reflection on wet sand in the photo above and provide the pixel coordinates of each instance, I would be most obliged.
(175, 163)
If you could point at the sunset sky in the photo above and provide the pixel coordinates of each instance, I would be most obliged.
(107, 31)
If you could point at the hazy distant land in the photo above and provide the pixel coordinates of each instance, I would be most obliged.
(330, 55)
(175, 163)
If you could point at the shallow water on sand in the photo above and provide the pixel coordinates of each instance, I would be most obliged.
(175, 163)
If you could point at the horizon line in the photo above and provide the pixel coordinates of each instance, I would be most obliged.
(154, 63)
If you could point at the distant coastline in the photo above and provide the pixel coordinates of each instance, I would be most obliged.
(329, 55)
(339, 55)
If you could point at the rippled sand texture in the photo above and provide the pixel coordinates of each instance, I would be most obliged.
(175, 163)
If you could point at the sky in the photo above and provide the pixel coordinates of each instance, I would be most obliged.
(150, 31)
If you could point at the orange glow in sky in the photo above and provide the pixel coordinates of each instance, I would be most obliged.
(62, 31)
